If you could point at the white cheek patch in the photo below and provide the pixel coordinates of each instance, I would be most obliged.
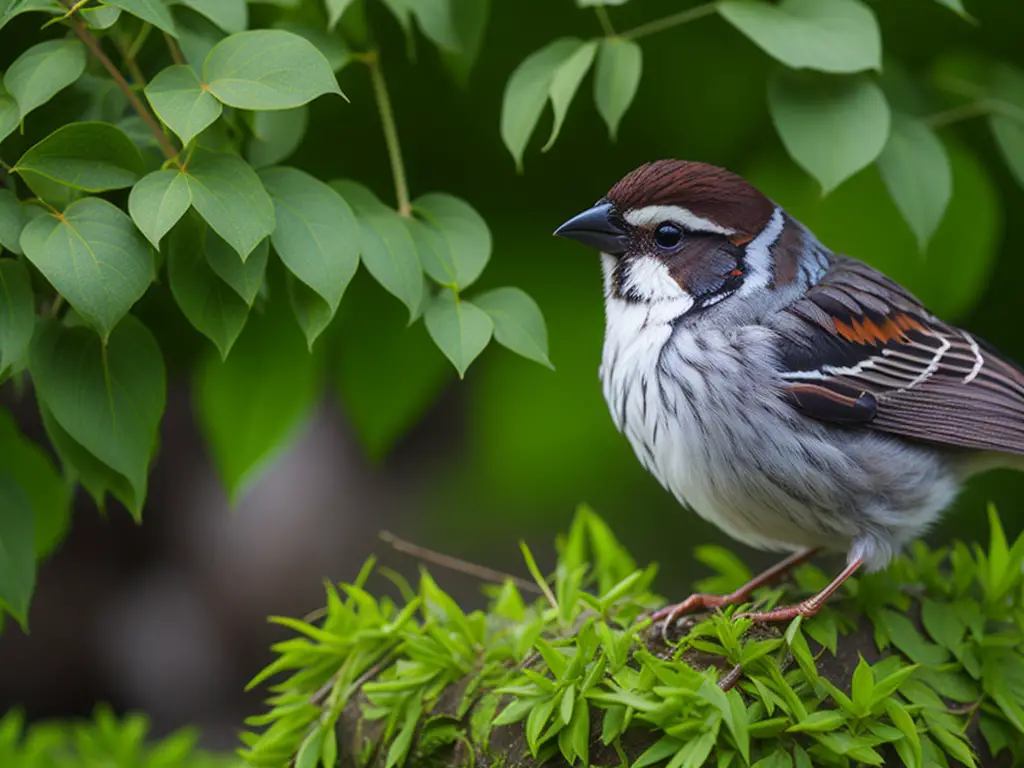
(648, 278)
(759, 261)
(653, 215)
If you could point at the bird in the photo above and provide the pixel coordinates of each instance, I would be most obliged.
(795, 397)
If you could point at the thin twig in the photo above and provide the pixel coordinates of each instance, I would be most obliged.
(604, 20)
(956, 114)
(172, 46)
(481, 572)
(94, 46)
(668, 22)
(387, 119)
(129, 61)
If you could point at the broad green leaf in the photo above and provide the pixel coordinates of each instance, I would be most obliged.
(48, 494)
(916, 170)
(157, 202)
(1007, 124)
(616, 79)
(10, 114)
(957, 6)
(209, 303)
(334, 49)
(386, 375)
(387, 248)
(244, 277)
(92, 157)
(910, 641)
(228, 194)
(181, 101)
(17, 549)
(469, 21)
(102, 17)
(230, 15)
(108, 398)
(838, 36)
(518, 322)
(463, 244)
(17, 312)
(251, 405)
(267, 69)
(95, 257)
(527, 92)
(402, 11)
(12, 221)
(317, 235)
(11, 8)
(197, 36)
(565, 83)
(460, 329)
(335, 9)
(276, 135)
(156, 12)
(831, 126)
(95, 477)
(42, 71)
(311, 309)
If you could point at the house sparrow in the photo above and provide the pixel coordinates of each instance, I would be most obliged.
(798, 399)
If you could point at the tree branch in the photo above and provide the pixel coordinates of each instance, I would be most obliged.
(151, 122)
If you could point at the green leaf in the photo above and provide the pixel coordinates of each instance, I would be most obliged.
(831, 126)
(267, 69)
(579, 727)
(158, 202)
(1007, 125)
(251, 405)
(335, 9)
(460, 329)
(102, 17)
(863, 685)
(11, 8)
(899, 717)
(209, 303)
(155, 12)
(12, 221)
(906, 637)
(92, 157)
(463, 246)
(317, 235)
(387, 247)
(181, 102)
(197, 36)
(17, 312)
(616, 79)
(95, 257)
(469, 25)
(943, 623)
(916, 170)
(41, 72)
(10, 114)
(957, 7)
(518, 322)
(229, 195)
(565, 83)
(107, 398)
(17, 549)
(48, 494)
(334, 49)
(837, 36)
(527, 92)
(244, 277)
(386, 375)
(230, 15)
(276, 135)
(311, 310)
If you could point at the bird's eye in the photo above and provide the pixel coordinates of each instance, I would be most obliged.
(668, 235)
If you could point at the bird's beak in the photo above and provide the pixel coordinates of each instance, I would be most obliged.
(596, 227)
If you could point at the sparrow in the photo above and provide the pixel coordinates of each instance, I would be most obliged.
(797, 398)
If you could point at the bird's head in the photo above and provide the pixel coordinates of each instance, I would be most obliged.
(689, 233)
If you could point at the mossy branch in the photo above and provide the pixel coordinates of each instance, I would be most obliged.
(922, 665)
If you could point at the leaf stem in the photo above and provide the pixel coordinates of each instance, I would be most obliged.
(129, 61)
(387, 119)
(94, 47)
(956, 114)
(675, 20)
(605, 20)
(172, 46)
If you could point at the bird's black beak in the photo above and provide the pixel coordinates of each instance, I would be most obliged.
(598, 228)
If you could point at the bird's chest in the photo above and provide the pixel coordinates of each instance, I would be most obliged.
(656, 381)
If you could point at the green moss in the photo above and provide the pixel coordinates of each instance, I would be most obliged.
(580, 672)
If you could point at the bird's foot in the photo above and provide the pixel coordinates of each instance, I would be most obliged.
(695, 602)
(786, 613)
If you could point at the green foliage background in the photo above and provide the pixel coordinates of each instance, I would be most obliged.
(733, 85)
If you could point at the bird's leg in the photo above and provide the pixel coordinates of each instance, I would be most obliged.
(697, 601)
(810, 606)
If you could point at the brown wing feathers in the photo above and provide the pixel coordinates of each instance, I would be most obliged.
(861, 350)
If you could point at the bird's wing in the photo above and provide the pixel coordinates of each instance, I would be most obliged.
(859, 350)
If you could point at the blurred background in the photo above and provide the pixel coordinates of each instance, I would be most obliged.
(170, 617)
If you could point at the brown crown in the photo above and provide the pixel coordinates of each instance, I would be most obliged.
(705, 190)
